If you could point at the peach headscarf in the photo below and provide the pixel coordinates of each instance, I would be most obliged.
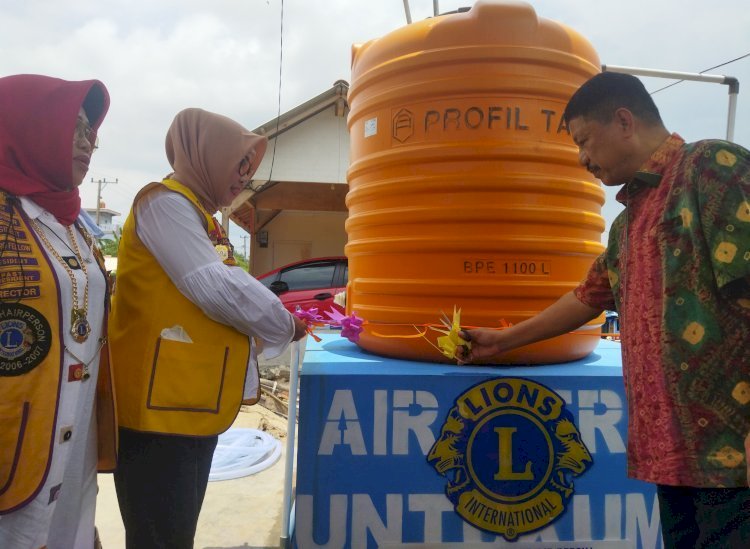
(205, 150)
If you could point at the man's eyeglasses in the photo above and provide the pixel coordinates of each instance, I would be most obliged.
(85, 132)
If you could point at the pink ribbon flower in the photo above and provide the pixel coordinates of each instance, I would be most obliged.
(351, 325)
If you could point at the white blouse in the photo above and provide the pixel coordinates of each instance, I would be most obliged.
(172, 230)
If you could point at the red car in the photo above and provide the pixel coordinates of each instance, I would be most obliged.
(309, 283)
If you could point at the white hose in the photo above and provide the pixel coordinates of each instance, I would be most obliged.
(242, 452)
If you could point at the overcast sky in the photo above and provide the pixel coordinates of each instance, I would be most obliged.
(157, 57)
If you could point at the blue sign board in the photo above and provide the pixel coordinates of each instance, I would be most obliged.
(399, 453)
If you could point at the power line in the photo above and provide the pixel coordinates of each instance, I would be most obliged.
(278, 110)
(703, 71)
(278, 113)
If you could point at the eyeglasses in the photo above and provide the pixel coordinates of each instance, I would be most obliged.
(246, 168)
(84, 132)
(246, 164)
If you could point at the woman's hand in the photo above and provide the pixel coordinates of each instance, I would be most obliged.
(300, 328)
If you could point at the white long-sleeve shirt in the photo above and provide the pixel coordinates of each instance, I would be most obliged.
(172, 230)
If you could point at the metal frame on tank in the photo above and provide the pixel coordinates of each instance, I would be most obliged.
(407, 10)
(731, 81)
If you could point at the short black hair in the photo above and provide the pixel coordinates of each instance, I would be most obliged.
(600, 96)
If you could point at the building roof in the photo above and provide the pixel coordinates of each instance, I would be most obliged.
(102, 211)
(286, 191)
(336, 95)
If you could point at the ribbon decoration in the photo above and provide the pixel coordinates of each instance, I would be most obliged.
(311, 318)
(351, 325)
(447, 344)
(450, 341)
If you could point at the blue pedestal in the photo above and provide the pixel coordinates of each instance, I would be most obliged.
(367, 425)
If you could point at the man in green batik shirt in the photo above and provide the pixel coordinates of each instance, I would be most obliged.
(677, 270)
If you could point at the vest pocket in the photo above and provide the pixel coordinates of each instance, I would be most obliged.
(187, 376)
(13, 420)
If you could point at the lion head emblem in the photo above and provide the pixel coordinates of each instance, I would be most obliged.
(572, 458)
(445, 455)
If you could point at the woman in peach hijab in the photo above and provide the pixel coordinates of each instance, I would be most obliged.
(184, 323)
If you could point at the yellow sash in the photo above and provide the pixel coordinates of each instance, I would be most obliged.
(31, 363)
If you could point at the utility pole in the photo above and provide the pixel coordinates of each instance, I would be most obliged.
(244, 238)
(101, 183)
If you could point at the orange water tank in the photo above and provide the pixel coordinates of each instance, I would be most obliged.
(464, 185)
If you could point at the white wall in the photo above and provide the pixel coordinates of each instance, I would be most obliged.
(315, 150)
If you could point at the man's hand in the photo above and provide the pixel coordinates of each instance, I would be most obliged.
(564, 315)
(485, 344)
(300, 328)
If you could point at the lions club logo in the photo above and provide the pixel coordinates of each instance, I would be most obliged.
(25, 339)
(509, 449)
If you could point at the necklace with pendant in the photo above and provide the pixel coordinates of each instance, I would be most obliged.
(85, 373)
(79, 324)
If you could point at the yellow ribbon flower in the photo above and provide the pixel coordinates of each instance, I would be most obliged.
(451, 341)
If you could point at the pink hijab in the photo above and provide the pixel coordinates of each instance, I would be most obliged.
(38, 117)
(205, 150)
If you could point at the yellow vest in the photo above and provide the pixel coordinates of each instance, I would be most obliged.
(179, 372)
(31, 363)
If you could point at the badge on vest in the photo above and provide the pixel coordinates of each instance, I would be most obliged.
(223, 252)
(75, 372)
(226, 253)
(14, 261)
(25, 339)
(72, 262)
(509, 449)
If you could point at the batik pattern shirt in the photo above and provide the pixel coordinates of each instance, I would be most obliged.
(677, 269)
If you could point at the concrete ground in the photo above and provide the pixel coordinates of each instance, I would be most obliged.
(243, 513)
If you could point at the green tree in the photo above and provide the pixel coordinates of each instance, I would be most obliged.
(109, 247)
(241, 259)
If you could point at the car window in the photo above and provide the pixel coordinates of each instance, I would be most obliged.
(308, 277)
(346, 274)
(268, 280)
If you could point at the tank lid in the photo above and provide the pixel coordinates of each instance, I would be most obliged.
(459, 10)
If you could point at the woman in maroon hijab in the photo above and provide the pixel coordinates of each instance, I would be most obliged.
(54, 376)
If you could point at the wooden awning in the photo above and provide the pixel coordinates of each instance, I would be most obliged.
(290, 195)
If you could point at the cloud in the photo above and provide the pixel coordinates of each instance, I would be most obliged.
(159, 57)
